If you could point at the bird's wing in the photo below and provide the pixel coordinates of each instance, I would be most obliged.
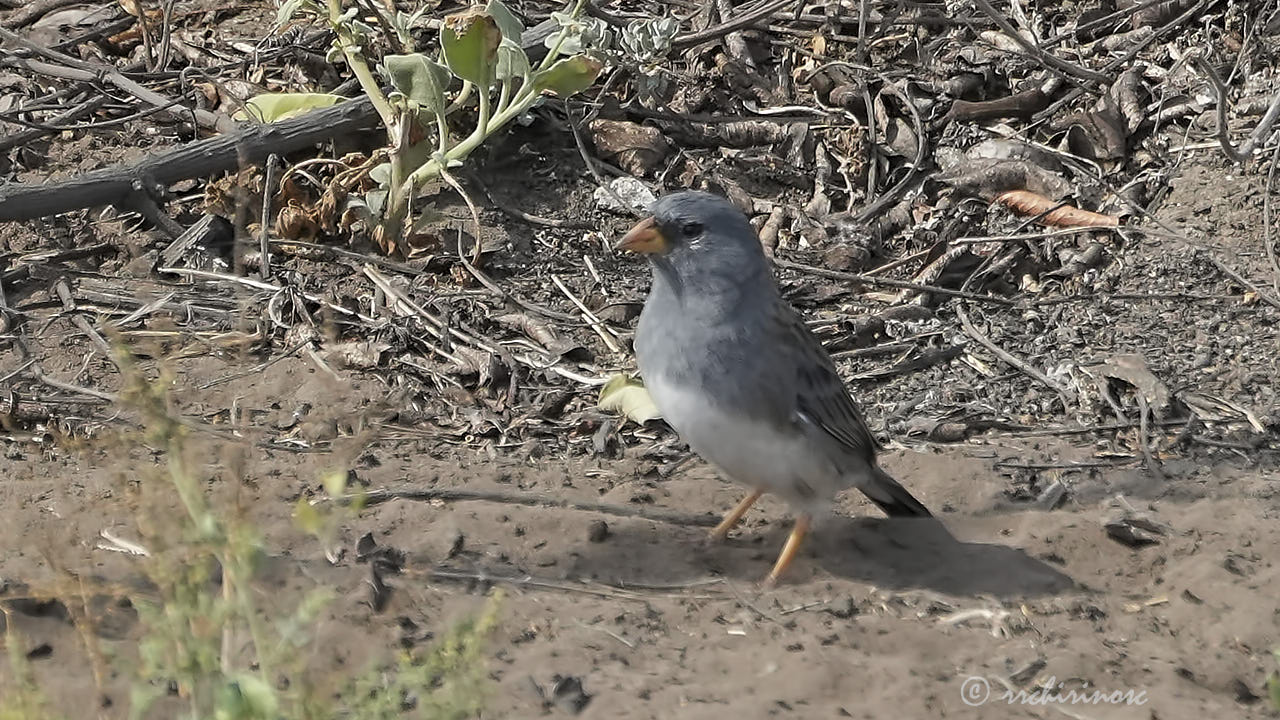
(821, 396)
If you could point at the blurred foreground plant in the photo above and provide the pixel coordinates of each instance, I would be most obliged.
(479, 53)
(24, 700)
(1273, 683)
(212, 644)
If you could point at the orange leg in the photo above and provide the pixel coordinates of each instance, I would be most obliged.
(789, 550)
(721, 531)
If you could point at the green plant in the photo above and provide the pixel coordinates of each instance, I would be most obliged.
(479, 53)
(24, 700)
(212, 645)
(447, 682)
(641, 48)
(1273, 683)
(230, 655)
(204, 633)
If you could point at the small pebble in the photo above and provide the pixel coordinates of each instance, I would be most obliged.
(633, 192)
(598, 531)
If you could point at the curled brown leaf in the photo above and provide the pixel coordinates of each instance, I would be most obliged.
(1053, 213)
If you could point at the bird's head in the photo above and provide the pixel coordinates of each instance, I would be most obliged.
(695, 231)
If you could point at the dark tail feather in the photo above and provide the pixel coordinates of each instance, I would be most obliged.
(892, 498)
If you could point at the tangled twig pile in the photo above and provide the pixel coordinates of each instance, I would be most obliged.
(970, 202)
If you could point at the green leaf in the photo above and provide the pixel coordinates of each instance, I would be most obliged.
(308, 517)
(335, 482)
(510, 25)
(629, 397)
(247, 697)
(579, 33)
(375, 201)
(1273, 689)
(271, 107)
(569, 76)
(571, 45)
(470, 42)
(512, 62)
(143, 696)
(420, 78)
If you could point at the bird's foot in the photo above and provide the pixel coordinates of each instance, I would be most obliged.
(721, 532)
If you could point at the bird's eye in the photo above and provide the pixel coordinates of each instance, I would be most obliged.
(691, 229)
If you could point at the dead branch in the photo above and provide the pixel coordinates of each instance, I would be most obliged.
(1226, 270)
(730, 24)
(1127, 57)
(1019, 105)
(34, 11)
(972, 331)
(252, 144)
(889, 282)
(1051, 61)
(1220, 91)
(65, 66)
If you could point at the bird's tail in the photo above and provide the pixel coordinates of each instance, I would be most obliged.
(892, 498)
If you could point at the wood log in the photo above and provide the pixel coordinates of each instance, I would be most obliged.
(251, 145)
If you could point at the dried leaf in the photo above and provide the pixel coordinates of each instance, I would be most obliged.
(1133, 370)
(1133, 527)
(295, 221)
(359, 355)
(1157, 14)
(472, 361)
(270, 107)
(987, 178)
(1130, 98)
(1215, 409)
(1052, 213)
(638, 149)
(537, 330)
(629, 397)
(133, 7)
(1099, 134)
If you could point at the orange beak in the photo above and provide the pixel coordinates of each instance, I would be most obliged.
(645, 238)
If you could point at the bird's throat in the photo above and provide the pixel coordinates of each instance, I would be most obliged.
(698, 290)
(664, 272)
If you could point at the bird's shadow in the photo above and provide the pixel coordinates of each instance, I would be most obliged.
(893, 553)
(903, 553)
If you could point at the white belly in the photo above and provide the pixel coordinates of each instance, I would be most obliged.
(752, 453)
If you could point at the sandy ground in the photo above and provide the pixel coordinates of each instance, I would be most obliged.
(878, 617)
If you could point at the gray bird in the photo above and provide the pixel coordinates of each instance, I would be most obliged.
(736, 372)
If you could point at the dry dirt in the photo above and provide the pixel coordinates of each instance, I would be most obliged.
(877, 619)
